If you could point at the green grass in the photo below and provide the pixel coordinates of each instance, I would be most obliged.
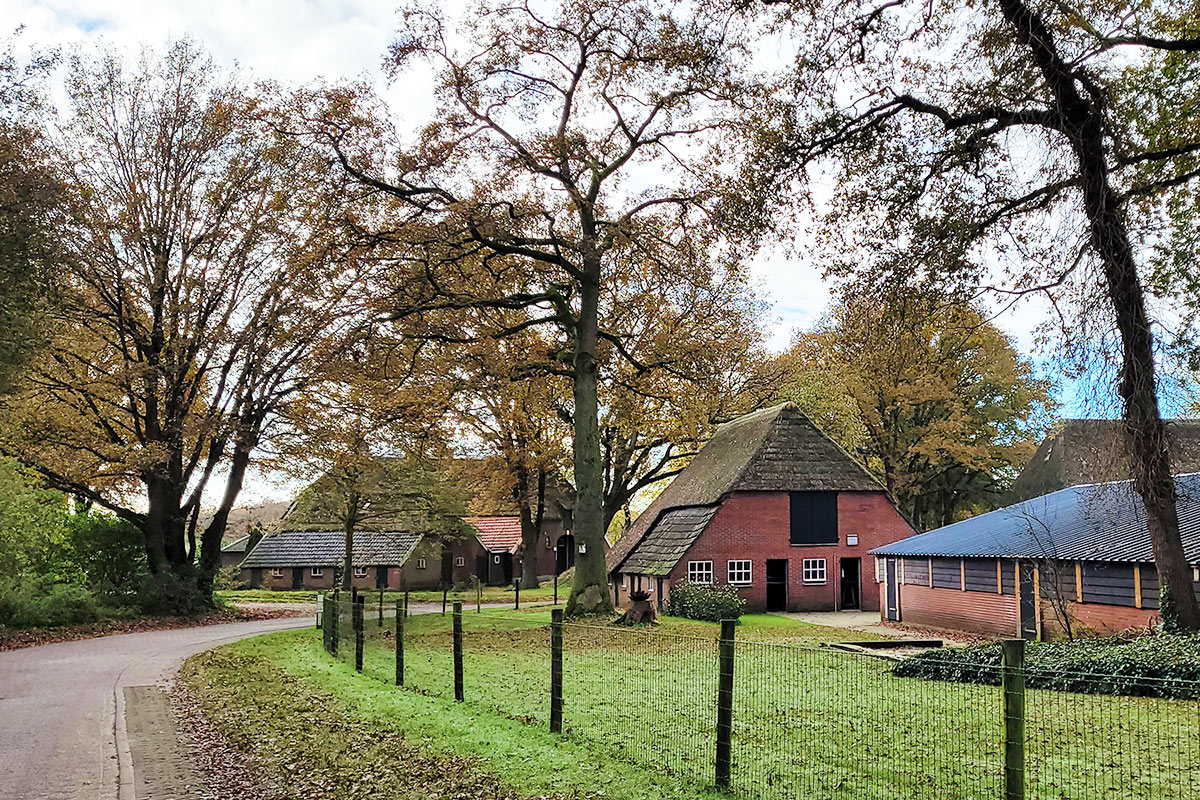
(312, 727)
(491, 594)
(808, 720)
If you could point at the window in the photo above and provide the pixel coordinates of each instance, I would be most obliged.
(814, 570)
(814, 517)
(851, 539)
(624, 581)
(700, 572)
(360, 572)
(420, 563)
(739, 572)
(460, 561)
(276, 572)
(317, 572)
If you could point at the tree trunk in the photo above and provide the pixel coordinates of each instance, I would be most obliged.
(1083, 126)
(352, 499)
(589, 591)
(164, 529)
(531, 525)
(214, 532)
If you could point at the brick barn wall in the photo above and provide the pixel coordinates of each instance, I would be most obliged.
(953, 609)
(756, 526)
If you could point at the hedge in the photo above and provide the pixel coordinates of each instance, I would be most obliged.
(1150, 665)
(705, 602)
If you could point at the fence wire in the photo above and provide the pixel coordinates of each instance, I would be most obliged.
(808, 722)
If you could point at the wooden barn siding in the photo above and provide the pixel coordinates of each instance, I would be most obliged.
(916, 571)
(947, 573)
(957, 610)
(979, 574)
(1108, 584)
(1105, 619)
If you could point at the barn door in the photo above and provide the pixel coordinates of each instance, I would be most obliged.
(893, 592)
(297, 577)
(1028, 604)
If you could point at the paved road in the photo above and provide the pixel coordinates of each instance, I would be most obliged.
(58, 705)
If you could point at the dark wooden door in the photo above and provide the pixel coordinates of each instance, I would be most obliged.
(256, 578)
(849, 583)
(777, 576)
(893, 591)
(381, 576)
(1028, 604)
(564, 553)
(297, 577)
(447, 568)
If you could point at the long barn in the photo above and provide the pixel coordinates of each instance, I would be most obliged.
(1080, 556)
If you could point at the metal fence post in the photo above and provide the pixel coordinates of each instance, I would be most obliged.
(725, 702)
(399, 644)
(556, 589)
(517, 594)
(445, 591)
(359, 639)
(1012, 677)
(556, 670)
(458, 651)
(381, 607)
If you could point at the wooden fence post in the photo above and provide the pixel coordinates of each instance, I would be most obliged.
(381, 607)
(725, 702)
(359, 639)
(556, 670)
(556, 588)
(1012, 677)
(399, 644)
(406, 601)
(517, 594)
(445, 591)
(458, 651)
(337, 615)
(478, 596)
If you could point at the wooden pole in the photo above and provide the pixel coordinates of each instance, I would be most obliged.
(725, 703)
(556, 670)
(517, 594)
(1012, 676)
(445, 591)
(399, 644)
(337, 615)
(380, 606)
(458, 651)
(406, 601)
(478, 596)
(359, 639)
(555, 588)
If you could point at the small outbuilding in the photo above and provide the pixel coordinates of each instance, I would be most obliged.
(771, 506)
(1080, 556)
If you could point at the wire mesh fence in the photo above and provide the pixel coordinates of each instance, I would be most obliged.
(806, 721)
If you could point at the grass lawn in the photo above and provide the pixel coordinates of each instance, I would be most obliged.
(808, 721)
(313, 728)
(491, 594)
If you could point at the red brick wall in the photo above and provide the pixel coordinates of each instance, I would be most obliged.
(952, 609)
(756, 526)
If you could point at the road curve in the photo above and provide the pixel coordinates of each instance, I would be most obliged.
(58, 704)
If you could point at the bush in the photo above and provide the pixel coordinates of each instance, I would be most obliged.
(107, 553)
(230, 577)
(36, 604)
(172, 596)
(1147, 665)
(711, 603)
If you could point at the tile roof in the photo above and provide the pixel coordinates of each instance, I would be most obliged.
(660, 550)
(236, 546)
(775, 449)
(497, 534)
(327, 549)
(1093, 522)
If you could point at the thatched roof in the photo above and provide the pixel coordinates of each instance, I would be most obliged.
(775, 449)
(1087, 451)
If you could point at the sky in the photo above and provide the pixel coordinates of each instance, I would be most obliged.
(302, 41)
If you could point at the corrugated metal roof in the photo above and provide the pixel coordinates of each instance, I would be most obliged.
(660, 550)
(327, 549)
(1093, 522)
(497, 534)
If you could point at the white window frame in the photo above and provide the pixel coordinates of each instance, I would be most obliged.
(696, 570)
(317, 572)
(459, 561)
(360, 572)
(276, 572)
(420, 563)
(742, 568)
(852, 540)
(810, 568)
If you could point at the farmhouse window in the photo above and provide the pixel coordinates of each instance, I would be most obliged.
(317, 572)
(739, 572)
(814, 518)
(420, 563)
(276, 572)
(458, 562)
(814, 570)
(360, 572)
(700, 572)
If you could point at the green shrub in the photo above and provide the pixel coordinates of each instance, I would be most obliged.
(36, 604)
(229, 578)
(105, 552)
(171, 595)
(1148, 665)
(702, 601)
